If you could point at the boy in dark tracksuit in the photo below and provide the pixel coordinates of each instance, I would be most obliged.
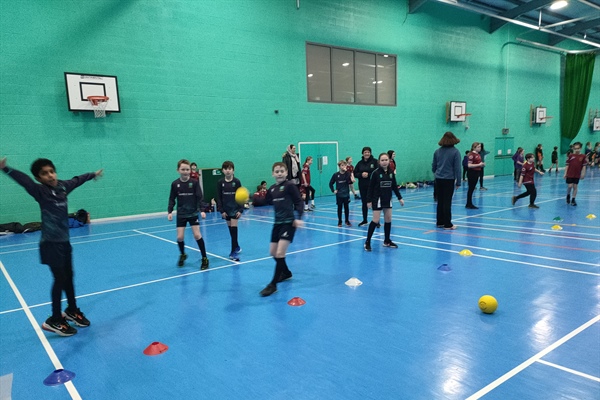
(230, 210)
(55, 247)
(379, 197)
(288, 205)
(343, 181)
(186, 191)
(362, 172)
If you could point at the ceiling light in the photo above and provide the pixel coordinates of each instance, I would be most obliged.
(557, 5)
(345, 64)
(310, 75)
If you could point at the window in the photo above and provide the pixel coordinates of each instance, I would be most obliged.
(340, 75)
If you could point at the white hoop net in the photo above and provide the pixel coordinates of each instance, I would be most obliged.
(99, 104)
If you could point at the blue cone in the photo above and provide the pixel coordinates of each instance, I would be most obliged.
(58, 377)
(444, 267)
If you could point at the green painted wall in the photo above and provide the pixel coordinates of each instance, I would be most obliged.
(200, 79)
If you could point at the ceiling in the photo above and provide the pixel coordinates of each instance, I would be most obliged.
(578, 22)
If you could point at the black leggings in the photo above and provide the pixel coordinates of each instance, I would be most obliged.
(310, 194)
(364, 189)
(530, 191)
(473, 177)
(344, 204)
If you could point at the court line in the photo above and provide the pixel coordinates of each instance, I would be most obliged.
(38, 330)
(572, 371)
(485, 390)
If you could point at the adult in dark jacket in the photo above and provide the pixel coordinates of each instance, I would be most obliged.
(292, 162)
(446, 167)
(362, 171)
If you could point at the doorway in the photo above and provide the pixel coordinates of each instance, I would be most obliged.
(325, 159)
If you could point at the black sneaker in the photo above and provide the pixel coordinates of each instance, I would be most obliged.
(573, 202)
(348, 223)
(568, 199)
(340, 224)
(59, 326)
(204, 264)
(367, 246)
(390, 244)
(472, 207)
(269, 290)
(533, 206)
(182, 259)
(234, 256)
(284, 276)
(77, 317)
(363, 223)
(514, 200)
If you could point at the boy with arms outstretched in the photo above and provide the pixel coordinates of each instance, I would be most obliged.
(230, 210)
(55, 247)
(188, 195)
(287, 202)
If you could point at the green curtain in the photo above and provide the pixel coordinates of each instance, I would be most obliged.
(577, 82)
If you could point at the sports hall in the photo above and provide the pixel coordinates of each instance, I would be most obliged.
(211, 81)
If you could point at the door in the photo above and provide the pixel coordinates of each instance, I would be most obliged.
(503, 152)
(325, 159)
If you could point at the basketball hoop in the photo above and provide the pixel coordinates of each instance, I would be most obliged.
(466, 119)
(99, 104)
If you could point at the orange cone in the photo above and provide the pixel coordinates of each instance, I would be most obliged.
(156, 348)
(296, 302)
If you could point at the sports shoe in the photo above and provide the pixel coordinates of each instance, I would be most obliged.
(348, 223)
(77, 317)
(363, 223)
(533, 206)
(204, 264)
(514, 200)
(269, 290)
(238, 249)
(482, 188)
(339, 224)
(59, 326)
(234, 256)
(182, 258)
(573, 202)
(367, 246)
(312, 207)
(390, 244)
(472, 207)
(568, 199)
(284, 276)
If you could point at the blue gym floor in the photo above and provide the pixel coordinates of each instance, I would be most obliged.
(410, 331)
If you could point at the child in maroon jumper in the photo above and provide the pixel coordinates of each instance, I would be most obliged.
(574, 171)
(527, 179)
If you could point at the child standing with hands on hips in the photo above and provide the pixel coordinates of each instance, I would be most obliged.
(343, 181)
(186, 192)
(379, 198)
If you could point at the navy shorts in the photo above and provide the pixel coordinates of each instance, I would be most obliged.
(282, 232)
(182, 221)
(56, 254)
(574, 181)
(380, 205)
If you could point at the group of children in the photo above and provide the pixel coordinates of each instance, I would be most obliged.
(378, 187)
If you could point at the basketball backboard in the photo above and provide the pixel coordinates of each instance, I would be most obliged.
(457, 111)
(80, 86)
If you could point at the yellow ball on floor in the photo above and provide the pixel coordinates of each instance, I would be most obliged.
(488, 304)
(242, 195)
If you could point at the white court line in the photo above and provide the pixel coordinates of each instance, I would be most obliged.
(187, 247)
(569, 370)
(36, 327)
(482, 392)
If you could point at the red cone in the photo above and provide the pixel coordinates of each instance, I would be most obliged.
(156, 348)
(296, 302)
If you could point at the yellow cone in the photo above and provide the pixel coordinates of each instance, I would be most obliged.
(591, 216)
(466, 253)
(557, 228)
